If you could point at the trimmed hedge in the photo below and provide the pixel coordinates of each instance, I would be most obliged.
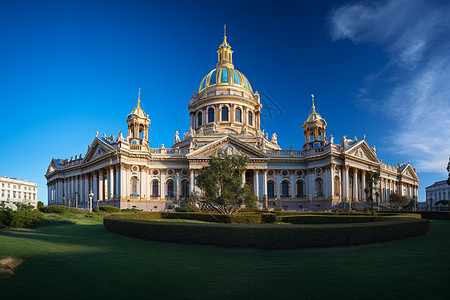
(269, 236)
(107, 208)
(59, 210)
(326, 219)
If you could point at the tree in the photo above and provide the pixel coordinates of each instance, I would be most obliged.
(221, 183)
(398, 201)
(40, 204)
(372, 180)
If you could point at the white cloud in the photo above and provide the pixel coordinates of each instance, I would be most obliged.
(416, 35)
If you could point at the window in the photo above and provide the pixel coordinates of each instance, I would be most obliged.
(134, 186)
(284, 189)
(319, 185)
(250, 118)
(170, 189)
(155, 189)
(225, 114)
(184, 188)
(210, 115)
(300, 189)
(199, 119)
(238, 115)
(270, 189)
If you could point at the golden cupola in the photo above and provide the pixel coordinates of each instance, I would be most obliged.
(314, 129)
(138, 124)
(225, 73)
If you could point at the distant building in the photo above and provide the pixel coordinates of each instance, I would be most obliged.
(436, 192)
(18, 191)
(225, 113)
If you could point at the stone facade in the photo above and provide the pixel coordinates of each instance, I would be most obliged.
(225, 113)
(18, 191)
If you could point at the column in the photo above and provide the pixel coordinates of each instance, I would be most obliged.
(117, 185)
(265, 184)
(191, 181)
(163, 184)
(100, 185)
(86, 188)
(123, 189)
(243, 178)
(256, 180)
(278, 187)
(355, 184)
(94, 187)
(111, 183)
(293, 186)
(177, 178)
(363, 184)
(49, 193)
(345, 189)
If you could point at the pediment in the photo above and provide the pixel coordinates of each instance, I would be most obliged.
(362, 150)
(409, 171)
(97, 149)
(51, 168)
(231, 145)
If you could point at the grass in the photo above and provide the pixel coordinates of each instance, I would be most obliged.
(84, 261)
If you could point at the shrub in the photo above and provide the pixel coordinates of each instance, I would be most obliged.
(327, 219)
(20, 218)
(270, 236)
(59, 210)
(130, 210)
(187, 208)
(108, 209)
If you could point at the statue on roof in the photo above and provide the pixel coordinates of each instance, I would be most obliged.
(176, 138)
(448, 170)
(274, 138)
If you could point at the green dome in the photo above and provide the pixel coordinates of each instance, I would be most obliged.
(225, 75)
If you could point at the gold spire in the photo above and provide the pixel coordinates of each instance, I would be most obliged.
(139, 98)
(314, 115)
(225, 54)
(313, 107)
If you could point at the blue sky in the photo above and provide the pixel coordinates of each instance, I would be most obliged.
(70, 68)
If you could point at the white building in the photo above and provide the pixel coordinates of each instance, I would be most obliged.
(436, 192)
(225, 113)
(18, 191)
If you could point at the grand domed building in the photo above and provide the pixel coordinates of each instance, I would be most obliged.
(125, 172)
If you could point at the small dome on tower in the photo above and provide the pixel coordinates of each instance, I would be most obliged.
(138, 111)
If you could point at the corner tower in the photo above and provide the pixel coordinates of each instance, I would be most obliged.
(138, 123)
(314, 129)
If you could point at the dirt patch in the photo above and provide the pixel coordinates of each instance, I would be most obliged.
(8, 265)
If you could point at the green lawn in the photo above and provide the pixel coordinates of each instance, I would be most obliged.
(84, 261)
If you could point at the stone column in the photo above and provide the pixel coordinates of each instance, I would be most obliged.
(265, 184)
(355, 185)
(243, 178)
(111, 182)
(363, 184)
(86, 188)
(100, 185)
(191, 181)
(117, 186)
(293, 186)
(122, 192)
(163, 184)
(278, 187)
(94, 187)
(256, 180)
(346, 185)
(178, 188)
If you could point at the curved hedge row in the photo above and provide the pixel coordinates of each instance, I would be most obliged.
(267, 236)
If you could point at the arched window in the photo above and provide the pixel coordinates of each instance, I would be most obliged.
(134, 186)
(184, 188)
(155, 189)
(250, 118)
(285, 189)
(170, 189)
(225, 114)
(210, 115)
(337, 186)
(270, 189)
(300, 189)
(319, 187)
(200, 119)
(238, 115)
